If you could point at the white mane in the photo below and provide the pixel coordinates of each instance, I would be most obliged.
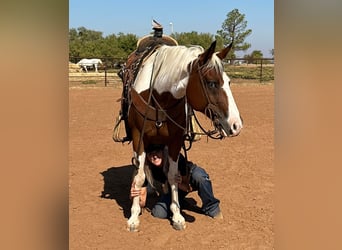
(171, 62)
(170, 69)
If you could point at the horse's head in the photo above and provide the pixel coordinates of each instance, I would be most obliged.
(209, 92)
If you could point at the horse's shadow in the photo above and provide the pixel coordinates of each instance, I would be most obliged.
(117, 185)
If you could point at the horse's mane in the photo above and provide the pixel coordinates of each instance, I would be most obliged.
(171, 62)
(215, 63)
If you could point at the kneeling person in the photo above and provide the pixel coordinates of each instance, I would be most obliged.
(196, 180)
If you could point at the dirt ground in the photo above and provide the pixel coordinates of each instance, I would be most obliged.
(241, 170)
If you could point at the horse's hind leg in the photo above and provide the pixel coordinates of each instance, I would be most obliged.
(133, 222)
(178, 221)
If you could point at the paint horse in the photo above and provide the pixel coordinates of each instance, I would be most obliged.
(92, 63)
(170, 79)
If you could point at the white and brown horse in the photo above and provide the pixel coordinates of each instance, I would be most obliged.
(169, 80)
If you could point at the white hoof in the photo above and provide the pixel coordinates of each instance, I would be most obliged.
(133, 227)
(179, 225)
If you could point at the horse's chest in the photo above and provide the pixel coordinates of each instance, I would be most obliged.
(153, 129)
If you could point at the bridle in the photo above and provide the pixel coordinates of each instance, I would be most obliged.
(211, 110)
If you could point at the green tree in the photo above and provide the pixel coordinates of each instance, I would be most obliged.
(127, 43)
(234, 28)
(75, 46)
(84, 43)
(194, 38)
(256, 54)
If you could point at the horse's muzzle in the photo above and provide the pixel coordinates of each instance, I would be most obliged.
(229, 129)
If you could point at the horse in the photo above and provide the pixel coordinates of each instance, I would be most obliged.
(169, 81)
(84, 63)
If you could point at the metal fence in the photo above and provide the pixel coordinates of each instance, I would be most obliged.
(108, 62)
(107, 72)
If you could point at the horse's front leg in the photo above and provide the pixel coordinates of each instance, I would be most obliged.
(178, 221)
(139, 179)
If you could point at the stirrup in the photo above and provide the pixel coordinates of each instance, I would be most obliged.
(116, 132)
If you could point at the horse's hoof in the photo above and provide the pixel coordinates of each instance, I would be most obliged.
(179, 226)
(132, 228)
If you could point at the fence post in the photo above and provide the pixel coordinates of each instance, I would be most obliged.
(261, 71)
(105, 68)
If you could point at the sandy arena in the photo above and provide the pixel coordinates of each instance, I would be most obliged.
(241, 170)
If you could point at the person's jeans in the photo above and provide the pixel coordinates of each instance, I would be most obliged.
(199, 181)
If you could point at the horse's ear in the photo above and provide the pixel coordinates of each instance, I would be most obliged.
(206, 55)
(224, 52)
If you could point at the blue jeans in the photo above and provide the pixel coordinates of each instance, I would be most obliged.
(199, 180)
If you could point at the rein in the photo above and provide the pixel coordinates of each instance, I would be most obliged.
(135, 160)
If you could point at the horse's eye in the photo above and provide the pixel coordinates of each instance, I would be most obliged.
(212, 84)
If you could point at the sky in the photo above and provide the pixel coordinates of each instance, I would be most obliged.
(202, 16)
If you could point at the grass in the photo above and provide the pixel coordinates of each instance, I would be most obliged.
(89, 82)
(250, 72)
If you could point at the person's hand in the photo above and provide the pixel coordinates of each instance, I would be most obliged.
(134, 192)
(139, 192)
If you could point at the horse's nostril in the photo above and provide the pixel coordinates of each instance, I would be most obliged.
(234, 126)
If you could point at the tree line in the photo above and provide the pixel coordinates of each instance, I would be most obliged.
(86, 43)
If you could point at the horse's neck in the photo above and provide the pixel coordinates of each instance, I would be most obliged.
(176, 83)
(176, 88)
(179, 90)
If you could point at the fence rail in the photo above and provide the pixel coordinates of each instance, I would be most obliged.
(102, 78)
(261, 69)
